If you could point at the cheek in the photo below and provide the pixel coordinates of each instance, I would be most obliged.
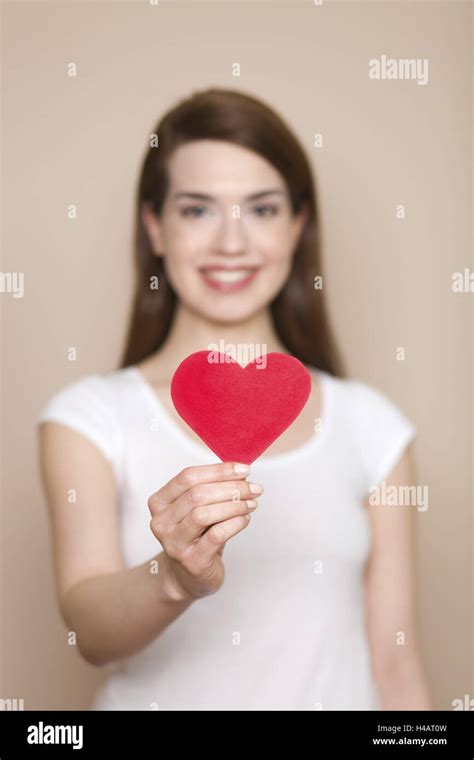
(181, 241)
(276, 252)
(182, 250)
(275, 273)
(179, 272)
(277, 255)
(271, 239)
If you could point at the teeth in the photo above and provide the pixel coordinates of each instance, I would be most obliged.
(222, 275)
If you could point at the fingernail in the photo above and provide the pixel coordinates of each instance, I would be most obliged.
(254, 488)
(251, 504)
(240, 469)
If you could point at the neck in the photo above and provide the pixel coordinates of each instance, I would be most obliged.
(192, 332)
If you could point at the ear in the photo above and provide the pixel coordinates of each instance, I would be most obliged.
(152, 225)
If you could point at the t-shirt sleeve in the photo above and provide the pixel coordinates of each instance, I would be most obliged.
(86, 405)
(383, 432)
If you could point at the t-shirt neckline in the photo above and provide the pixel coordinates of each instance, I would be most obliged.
(200, 449)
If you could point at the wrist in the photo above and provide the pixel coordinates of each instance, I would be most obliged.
(172, 589)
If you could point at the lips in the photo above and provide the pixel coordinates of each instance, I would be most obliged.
(228, 279)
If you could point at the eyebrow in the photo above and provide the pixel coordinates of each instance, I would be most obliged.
(204, 197)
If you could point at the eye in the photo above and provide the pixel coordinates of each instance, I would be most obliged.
(266, 210)
(192, 211)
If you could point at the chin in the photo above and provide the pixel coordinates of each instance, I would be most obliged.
(229, 314)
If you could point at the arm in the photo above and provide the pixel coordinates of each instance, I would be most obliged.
(391, 603)
(114, 611)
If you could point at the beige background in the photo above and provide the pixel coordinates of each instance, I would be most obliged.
(389, 281)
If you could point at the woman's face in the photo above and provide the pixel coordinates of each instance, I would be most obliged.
(226, 230)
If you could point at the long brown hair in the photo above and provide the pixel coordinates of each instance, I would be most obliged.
(299, 310)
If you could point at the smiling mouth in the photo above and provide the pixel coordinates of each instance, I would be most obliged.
(226, 279)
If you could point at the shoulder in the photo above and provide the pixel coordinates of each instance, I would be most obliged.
(377, 424)
(102, 390)
(90, 405)
(361, 401)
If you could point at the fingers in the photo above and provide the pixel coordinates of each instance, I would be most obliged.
(214, 539)
(200, 518)
(210, 493)
(201, 508)
(195, 476)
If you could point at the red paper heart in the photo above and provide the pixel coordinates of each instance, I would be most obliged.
(239, 411)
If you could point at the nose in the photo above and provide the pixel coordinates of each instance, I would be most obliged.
(230, 239)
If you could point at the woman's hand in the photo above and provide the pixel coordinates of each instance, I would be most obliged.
(193, 516)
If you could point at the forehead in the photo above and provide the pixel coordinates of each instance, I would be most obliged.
(219, 168)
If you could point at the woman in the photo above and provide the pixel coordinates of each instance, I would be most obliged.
(311, 605)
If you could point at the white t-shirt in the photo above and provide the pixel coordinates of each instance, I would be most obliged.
(286, 630)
